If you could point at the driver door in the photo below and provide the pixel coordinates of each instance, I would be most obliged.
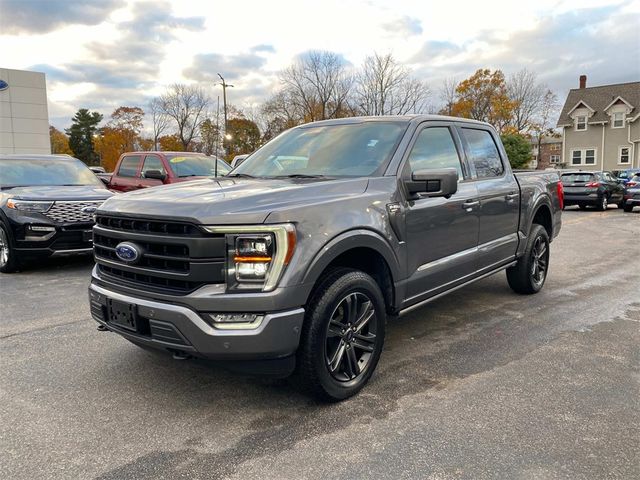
(442, 233)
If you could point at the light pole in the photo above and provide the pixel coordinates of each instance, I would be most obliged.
(224, 101)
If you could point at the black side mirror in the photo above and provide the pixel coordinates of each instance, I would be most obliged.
(155, 174)
(442, 182)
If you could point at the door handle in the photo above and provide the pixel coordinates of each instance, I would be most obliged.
(511, 197)
(468, 205)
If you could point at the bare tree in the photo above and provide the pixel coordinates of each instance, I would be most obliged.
(319, 85)
(186, 105)
(527, 95)
(159, 120)
(384, 87)
(448, 95)
(545, 117)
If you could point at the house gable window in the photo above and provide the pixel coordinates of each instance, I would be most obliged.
(623, 155)
(581, 123)
(617, 120)
(585, 156)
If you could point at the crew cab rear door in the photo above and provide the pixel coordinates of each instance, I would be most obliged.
(441, 233)
(499, 195)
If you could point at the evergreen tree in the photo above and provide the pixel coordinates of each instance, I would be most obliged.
(83, 127)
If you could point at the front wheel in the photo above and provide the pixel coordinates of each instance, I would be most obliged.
(628, 208)
(529, 274)
(9, 262)
(342, 336)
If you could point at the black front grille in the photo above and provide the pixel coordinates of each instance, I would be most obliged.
(176, 258)
(148, 226)
(154, 283)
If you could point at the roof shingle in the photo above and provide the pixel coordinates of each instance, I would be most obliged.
(599, 98)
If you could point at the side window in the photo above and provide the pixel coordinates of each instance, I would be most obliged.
(435, 149)
(129, 166)
(151, 162)
(483, 153)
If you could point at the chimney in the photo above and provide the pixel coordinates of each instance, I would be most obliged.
(583, 81)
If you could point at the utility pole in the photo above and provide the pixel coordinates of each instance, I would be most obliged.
(217, 135)
(224, 102)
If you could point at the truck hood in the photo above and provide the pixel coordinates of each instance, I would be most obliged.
(54, 192)
(230, 201)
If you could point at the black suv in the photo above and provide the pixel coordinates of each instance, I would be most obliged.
(595, 189)
(47, 204)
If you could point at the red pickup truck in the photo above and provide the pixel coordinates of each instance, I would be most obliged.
(137, 170)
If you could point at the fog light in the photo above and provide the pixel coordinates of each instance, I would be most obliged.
(231, 321)
(37, 228)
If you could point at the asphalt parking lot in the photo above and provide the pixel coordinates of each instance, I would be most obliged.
(483, 383)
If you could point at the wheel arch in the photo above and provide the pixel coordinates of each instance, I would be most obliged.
(362, 250)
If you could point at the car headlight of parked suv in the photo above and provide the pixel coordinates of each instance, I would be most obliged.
(29, 205)
(257, 255)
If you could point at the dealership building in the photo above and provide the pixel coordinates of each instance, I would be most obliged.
(24, 117)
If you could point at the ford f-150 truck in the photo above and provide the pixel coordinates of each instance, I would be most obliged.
(294, 261)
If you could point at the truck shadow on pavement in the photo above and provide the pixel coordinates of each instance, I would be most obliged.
(468, 332)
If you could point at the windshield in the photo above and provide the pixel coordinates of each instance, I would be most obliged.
(197, 166)
(351, 150)
(577, 178)
(50, 171)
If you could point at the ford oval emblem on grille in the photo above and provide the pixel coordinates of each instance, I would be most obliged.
(128, 252)
(89, 210)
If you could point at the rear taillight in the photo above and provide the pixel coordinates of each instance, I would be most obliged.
(631, 184)
(560, 189)
(592, 184)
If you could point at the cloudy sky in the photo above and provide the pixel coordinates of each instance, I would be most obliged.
(101, 54)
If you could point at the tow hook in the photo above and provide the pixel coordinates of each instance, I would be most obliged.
(177, 355)
(102, 328)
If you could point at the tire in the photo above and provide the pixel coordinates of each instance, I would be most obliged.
(582, 207)
(529, 274)
(9, 261)
(603, 204)
(342, 336)
(628, 208)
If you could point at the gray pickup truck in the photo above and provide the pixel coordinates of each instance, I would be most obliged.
(295, 260)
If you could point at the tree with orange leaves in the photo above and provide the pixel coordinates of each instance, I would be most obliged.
(484, 96)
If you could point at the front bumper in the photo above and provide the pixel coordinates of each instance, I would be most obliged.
(177, 328)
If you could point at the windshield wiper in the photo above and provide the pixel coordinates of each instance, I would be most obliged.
(7, 187)
(189, 175)
(299, 175)
(240, 175)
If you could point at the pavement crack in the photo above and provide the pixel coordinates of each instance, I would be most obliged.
(40, 329)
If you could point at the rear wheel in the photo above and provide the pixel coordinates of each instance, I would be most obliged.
(529, 274)
(603, 204)
(628, 208)
(9, 261)
(343, 335)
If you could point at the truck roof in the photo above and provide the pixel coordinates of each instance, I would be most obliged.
(415, 118)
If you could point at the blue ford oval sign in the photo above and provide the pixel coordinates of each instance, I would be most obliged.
(89, 210)
(127, 252)
(3, 85)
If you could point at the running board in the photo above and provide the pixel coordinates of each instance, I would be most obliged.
(446, 292)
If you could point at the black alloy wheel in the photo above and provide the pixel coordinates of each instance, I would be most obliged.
(350, 337)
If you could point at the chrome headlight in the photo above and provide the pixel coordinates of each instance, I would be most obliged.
(257, 255)
(29, 205)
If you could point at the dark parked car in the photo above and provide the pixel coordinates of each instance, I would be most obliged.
(47, 203)
(632, 194)
(138, 170)
(299, 256)
(596, 189)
